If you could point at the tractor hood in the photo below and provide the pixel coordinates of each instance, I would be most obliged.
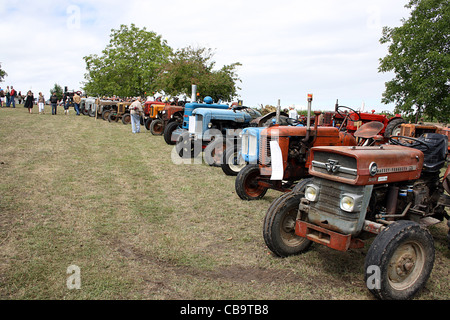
(189, 107)
(219, 114)
(366, 165)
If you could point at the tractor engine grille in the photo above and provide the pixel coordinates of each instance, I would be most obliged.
(264, 150)
(335, 164)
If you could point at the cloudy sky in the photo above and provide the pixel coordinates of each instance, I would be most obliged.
(288, 48)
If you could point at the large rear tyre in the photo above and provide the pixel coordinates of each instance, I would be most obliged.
(246, 184)
(168, 130)
(112, 117)
(105, 114)
(279, 225)
(393, 128)
(399, 261)
(186, 148)
(148, 123)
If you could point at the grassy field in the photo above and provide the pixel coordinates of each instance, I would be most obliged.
(85, 192)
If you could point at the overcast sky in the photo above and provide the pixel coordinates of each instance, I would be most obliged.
(288, 48)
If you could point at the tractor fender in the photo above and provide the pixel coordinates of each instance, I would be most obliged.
(259, 122)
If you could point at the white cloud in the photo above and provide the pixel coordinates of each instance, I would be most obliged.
(288, 48)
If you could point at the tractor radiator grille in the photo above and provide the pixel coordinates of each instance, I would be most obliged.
(335, 164)
(264, 150)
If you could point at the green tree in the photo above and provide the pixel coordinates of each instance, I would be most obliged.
(3, 73)
(58, 90)
(129, 64)
(419, 56)
(188, 66)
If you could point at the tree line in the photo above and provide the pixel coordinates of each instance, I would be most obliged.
(137, 62)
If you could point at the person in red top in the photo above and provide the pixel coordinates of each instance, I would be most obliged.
(13, 94)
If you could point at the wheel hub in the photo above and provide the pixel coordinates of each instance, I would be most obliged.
(405, 265)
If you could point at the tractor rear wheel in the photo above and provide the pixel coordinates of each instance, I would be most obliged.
(246, 184)
(105, 114)
(168, 130)
(186, 148)
(148, 122)
(393, 128)
(112, 117)
(402, 257)
(279, 224)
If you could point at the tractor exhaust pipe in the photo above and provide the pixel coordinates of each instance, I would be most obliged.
(308, 120)
(194, 93)
(278, 112)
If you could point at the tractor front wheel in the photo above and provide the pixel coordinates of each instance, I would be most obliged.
(399, 261)
(126, 118)
(156, 127)
(279, 224)
(232, 162)
(246, 184)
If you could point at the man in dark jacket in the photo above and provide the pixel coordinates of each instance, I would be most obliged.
(54, 102)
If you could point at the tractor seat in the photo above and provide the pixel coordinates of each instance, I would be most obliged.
(436, 152)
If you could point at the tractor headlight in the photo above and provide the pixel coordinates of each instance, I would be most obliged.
(347, 203)
(311, 193)
(210, 125)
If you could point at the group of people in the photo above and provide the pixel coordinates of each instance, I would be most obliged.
(8, 96)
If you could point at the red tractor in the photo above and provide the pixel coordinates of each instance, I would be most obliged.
(389, 192)
(330, 129)
(350, 120)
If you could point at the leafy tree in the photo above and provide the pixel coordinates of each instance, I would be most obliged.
(188, 66)
(58, 90)
(128, 65)
(3, 73)
(419, 56)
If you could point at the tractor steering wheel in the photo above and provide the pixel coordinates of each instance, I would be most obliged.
(347, 114)
(393, 140)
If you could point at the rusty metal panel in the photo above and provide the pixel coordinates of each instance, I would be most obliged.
(394, 163)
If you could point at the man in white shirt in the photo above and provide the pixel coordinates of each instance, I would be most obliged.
(135, 113)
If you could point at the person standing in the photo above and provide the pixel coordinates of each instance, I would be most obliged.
(8, 96)
(135, 113)
(2, 97)
(41, 103)
(20, 97)
(29, 101)
(76, 102)
(66, 103)
(54, 102)
(13, 96)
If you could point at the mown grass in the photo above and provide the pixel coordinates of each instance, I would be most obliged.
(85, 192)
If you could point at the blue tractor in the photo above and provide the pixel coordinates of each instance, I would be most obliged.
(175, 132)
(214, 131)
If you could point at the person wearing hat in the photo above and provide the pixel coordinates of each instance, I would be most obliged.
(135, 113)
